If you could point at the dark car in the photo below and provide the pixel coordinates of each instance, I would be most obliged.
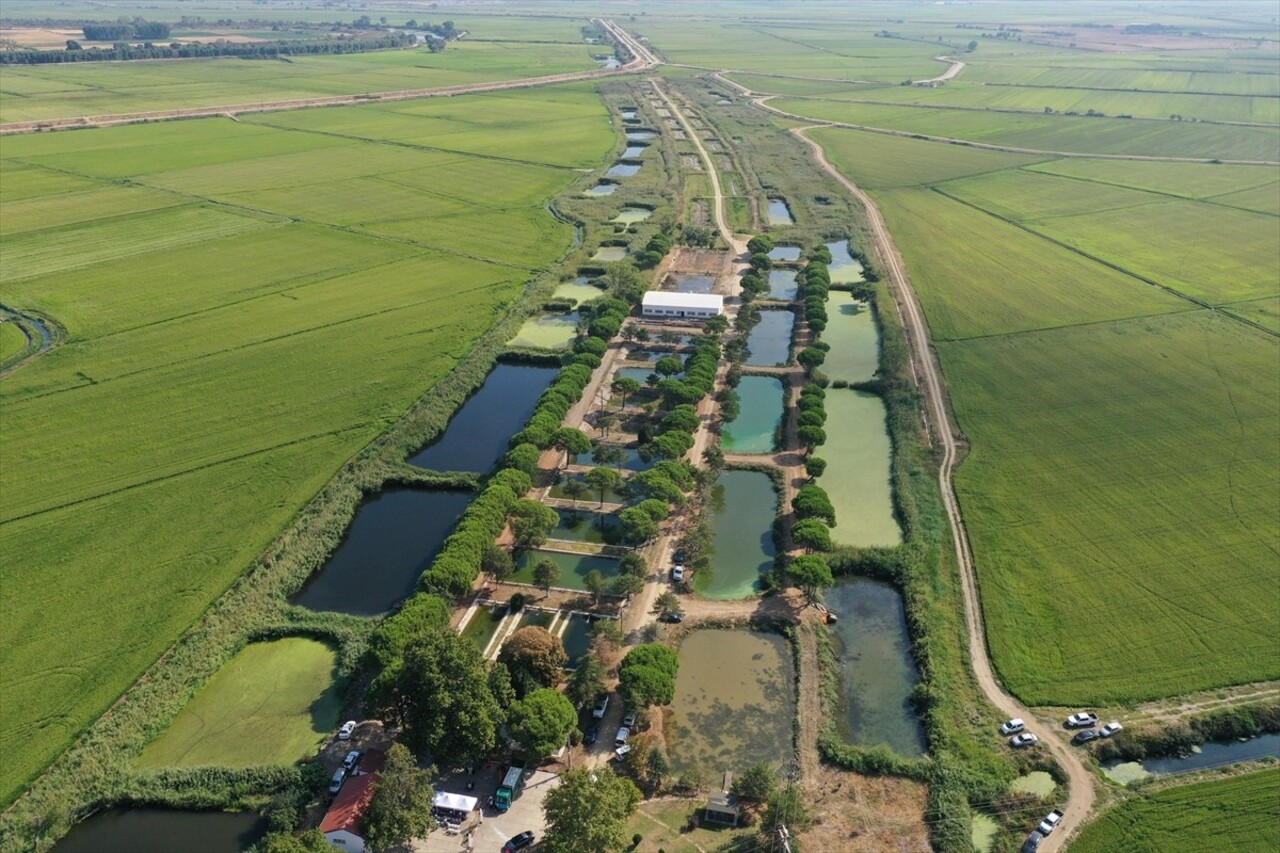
(520, 842)
(673, 618)
(680, 557)
(1086, 735)
(592, 733)
(1032, 844)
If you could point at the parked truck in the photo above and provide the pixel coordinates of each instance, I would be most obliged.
(510, 788)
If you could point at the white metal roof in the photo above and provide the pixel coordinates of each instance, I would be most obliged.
(672, 299)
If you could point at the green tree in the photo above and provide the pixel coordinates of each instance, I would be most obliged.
(534, 656)
(571, 441)
(811, 358)
(760, 244)
(500, 685)
(541, 721)
(635, 565)
(587, 681)
(647, 676)
(668, 365)
(595, 583)
(609, 454)
(531, 522)
(814, 466)
(311, 841)
(523, 457)
(672, 444)
(810, 573)
(602, 479)
(812, 535)
(588, 812)
(625, 386)
(811, 436)
(786, 808)
(669, 602)
(497, 563)
(546, 574)
(756, 784)
(606, 421)
(626, 585)
(684, 418)
(575, 489)
(638, 527)
(659, 766)
(400, 807)
(655, 509)
(812, 502)
(760, 261)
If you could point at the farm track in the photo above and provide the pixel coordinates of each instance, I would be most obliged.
(641, 60)
(1080, 798)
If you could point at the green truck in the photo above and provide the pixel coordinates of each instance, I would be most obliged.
(510, 789)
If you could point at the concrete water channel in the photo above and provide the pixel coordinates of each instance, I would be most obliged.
(489, 625)
(154, 830)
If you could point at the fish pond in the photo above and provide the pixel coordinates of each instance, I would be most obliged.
(154, 830)
(573, 567)
(632, 459)
(640, 134)
(855, 341)
(623, 169)
(878, 673)
(477, 435)
(575, 633)
(633, 214)
(780, 212)
(770, 339)
(859, 453)
(785, 253)
(610, 253)
(639, 374)
(394, 536)
(579, 290)
(602, 188)
(783, 284)
(1212, 754)
(627, 112)
(586, 525)
(592, 497)
(694, 283)
(734, 702)
(844, 267)
(743, 506)
(633, 151)
(483, 624)
(548, 331)
(755, 430)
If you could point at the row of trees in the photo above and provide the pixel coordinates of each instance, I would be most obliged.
(121, 51)
(121, 29)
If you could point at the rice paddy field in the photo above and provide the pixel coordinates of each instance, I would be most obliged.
(247, 305)
(1120, 488)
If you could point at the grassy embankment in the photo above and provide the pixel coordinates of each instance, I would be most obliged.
(228, 353)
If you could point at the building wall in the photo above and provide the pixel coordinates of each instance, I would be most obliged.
(341, 839)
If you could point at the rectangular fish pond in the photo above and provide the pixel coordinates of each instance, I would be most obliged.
(548, 331)
(156, 830)
(610, 253)
(770, 339)
(629, 215)
(878, 672)
(477, 435)
(694, 283)
(602, 188)
(743, 507)
(394, 536)
(859, 454)
(785, 253)
(579, 290)
(844, 267)
(623, 169)
(587, 525)
(592, 498)
(780, 213)
(573, 567)
(855, 341)
(632, 459)
(783, 285)
(641, 134)
(734, 702)
(633, 151)
(755, 430)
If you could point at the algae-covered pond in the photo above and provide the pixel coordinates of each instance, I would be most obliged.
(858, 453)
(743, 507)
(844, 267)
(155, 830)
(855, 342)
(573, 567)
(610, 253)
(548, 331)
(633, 214)
(579, 290)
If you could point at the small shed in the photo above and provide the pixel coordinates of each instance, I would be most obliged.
(723, 808)
(669, 305)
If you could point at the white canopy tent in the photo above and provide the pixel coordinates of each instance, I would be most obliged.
(455, 802)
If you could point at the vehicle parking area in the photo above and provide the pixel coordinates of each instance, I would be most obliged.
(489, 835)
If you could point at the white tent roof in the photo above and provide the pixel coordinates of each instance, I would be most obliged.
(672, 299)
(456, 802)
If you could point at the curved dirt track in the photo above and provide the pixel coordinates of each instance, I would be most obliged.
(1080, 780)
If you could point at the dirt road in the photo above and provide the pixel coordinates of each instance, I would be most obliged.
(1080, 780)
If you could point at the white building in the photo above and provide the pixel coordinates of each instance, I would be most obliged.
(669, 305)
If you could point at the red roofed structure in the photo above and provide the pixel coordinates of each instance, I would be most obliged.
(341, 824)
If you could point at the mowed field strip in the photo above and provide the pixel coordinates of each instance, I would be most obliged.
(253, 305)
(1120, 490)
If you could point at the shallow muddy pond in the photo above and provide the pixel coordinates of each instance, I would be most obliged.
(734, 702)
(858, 454)
(623, 170)
(586, 525)
(478, 433)
(878, 672)
(548, 331)
(694, 283)
(579, 290)
(602, 188)
(760, 412)
(844, 267)
(573, 567)
(641, 135)
(785, 253)
(855, 341)
(783, 285)
(743, 507)
(770, 339)
(780, 213)
(633, 214)
(610, 253)
(394, 536)
(151, 830)
(1037, 782)
(633, 151)
(1212, 754)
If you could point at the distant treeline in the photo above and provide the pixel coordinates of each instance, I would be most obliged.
(138, 28)
(250, 50)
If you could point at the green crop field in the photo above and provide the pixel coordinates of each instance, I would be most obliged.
(272, 703)
(250, 307)
(12, 340)
(1233, 814)
(1120, 487)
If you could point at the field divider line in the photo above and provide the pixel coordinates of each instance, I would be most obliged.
(1104, 262)
(1172, 196)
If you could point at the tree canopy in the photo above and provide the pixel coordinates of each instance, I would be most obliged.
(811, 573)
(541, 721)
(535, 657)
(588, 812)
(400, 808)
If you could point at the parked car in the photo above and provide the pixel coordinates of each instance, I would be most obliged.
(593, 732)
(621, 737)
(1013, 726)
(352, 759)
(621, 752)
(339, 776)
(1082, 720)
(1050, 822)
(1085, 735)
(1110, 729)
(348, 728)
(673, 618)
(1024, 739)
(680, 557)
(517, 843)
(602, 705)
(1032, 844)
(629, 721)
(677, 574)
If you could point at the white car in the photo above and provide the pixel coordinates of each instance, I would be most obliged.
(677, 574)
(1012, 727)
(629, 721)
(1024, 739)
(621, 752)
(1050, 822)
(621, 738)
(348, 728)
(1082, 720)
(1110, 729)
(602, 705)
(339, 776)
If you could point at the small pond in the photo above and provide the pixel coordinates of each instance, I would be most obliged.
(780, 212)
(633, 214)
(855, 341)
(785, 253)
(631, 461)
(610, 253)
(548, 331)
(641, 135)
(154, 830)
(623, 170)
(783, 284)
(639, 374)
(760, 412)
(633, 151)
(394, 536)
(744, 505)
(628, 112)
(602, 188)
(576, 636)
(477, 435)
(1036, 782)
(1212, 754)
(734, 702)
(586, 525)
(592, 497)
(580, 290)
(573, 567)
(694, 283)
(858, 453)
(844, 267)
(982, 832)
(879, 673)
(770, 339)
(483, 624)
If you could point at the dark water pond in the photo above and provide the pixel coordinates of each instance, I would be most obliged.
(576, 639)
(743, 506)
(145, 830)
(770, 339)
(695, 283)
(395, 535)
(623, 170)
(603, 188)
(783, 284)
(478, 433)
(641, 135)
(574, 568)
(633, 151)
(586, 525)
(1213, 754)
